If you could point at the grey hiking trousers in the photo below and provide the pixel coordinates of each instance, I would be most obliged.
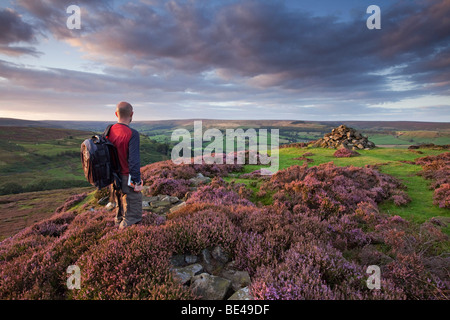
(129, 205)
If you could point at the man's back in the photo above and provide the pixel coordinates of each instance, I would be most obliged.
(126, 140)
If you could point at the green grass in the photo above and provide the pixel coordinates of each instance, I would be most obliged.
(411, 137)
(421, 207)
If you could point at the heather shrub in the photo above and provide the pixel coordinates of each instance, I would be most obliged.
(334, 190)
(132, 264)
(200, 230)
(409, 273)
(345, 153)
(169, 186)
(253, 250)
(442, 196)
(38, 272)
(437, 168)
(152, 219)
(169, 178)
(312, 271)
(314, 241)
(218, 196)
(168, 169)
(71, 201)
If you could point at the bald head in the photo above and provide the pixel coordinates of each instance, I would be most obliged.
(124, 111)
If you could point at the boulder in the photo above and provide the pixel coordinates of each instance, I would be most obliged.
(241, 294)
(184, 274)
(209, 287)
(160, 203)
(150, 199)
(239, 279)
(199, 180)
(190, 259)
(170, 199)
(177, 207)
(178, 260)
(146, 205)
(220, 255)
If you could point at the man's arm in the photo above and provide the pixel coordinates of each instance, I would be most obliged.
(134, 157)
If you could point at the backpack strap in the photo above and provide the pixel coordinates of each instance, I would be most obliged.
(117, 184)
(106, 132)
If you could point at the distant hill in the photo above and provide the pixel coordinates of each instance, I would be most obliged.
(389, 133)
(171, 124)
(34, 158)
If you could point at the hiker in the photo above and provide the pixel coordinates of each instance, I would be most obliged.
(126, 141)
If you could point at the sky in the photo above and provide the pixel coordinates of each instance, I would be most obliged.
(226, 59)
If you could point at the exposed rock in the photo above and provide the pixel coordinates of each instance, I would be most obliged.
(206, 255)
(110, 206)
(184, 274)
(150, 199)
(209, 287)
(160, 203)
(343, 136)
(199, 180)
(177, 207)
(190, 258)
(210, 278)
(239, 279)
(170, 199)
(241, 294)
(220, 255)
(146, 205)
(178, 260)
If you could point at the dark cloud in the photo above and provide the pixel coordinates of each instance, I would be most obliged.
(179, 53)
(264, 42)
(14, 30)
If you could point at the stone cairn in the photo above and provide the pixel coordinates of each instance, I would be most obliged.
(344, 137)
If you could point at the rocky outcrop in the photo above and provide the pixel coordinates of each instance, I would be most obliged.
(200, 179)
(242, 294)
(161, 204)
(346, 137)
(209, 287)
(211, 276)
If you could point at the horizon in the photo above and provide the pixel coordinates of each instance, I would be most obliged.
(224, 119)
(225, 60)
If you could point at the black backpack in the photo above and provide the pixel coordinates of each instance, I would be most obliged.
(100, 161)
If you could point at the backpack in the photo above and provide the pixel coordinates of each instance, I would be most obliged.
(100, 161)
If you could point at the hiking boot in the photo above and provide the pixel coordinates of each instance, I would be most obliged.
(125, 224)
(117, 222)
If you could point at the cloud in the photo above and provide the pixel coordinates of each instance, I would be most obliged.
(265, 58)
(265, 43)
(14, 30)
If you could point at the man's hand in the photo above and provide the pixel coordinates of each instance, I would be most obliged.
(139, 187)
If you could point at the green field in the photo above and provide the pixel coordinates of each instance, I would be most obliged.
(405, 138)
